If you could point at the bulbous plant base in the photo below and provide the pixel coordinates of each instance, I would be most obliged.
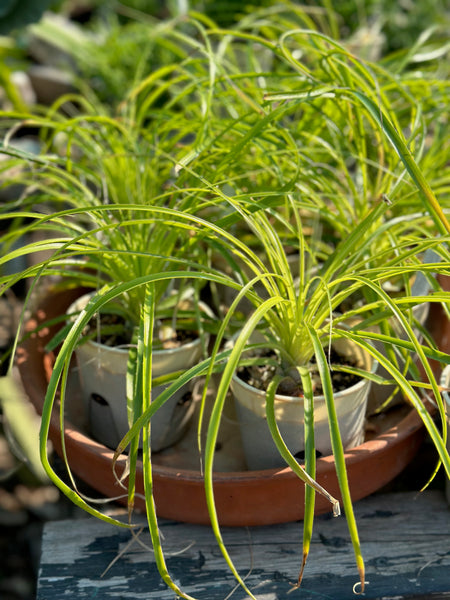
(243, 498)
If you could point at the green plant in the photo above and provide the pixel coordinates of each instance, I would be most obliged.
(400, 24)
(12, 59)
(107, 58)
(235, 139)
(299, 321)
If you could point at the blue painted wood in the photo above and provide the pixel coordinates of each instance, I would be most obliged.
(405, 540)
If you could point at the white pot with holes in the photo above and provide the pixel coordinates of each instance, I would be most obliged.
(259, 448)
(102, 374)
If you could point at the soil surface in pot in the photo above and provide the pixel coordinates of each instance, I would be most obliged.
(111, 330)
(259, 376)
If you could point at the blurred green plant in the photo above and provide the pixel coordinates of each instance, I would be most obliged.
(22, 424)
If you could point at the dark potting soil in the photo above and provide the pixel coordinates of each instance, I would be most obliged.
(259, 376)
(113, 333)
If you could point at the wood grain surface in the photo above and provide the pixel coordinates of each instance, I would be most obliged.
(405, 539)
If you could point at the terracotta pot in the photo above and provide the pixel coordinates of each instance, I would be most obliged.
(242, 498)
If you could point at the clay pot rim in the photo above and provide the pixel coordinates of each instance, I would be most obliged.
(392, 436)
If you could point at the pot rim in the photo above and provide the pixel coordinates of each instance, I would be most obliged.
(123, 349)
(407, 425)
(281, 398)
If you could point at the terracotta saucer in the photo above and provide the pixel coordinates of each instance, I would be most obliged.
(243, 498)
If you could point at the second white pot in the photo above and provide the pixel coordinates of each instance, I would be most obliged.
(261, 451)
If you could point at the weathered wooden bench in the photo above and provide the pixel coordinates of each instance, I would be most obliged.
(405, 539)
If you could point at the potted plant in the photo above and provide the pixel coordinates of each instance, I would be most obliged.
(142, 200)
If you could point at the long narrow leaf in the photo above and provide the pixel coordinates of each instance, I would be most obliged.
(338, 453)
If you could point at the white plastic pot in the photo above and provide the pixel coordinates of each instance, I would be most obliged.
(379, 394)
(445, 382)
(259, 448)
(102, 374)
